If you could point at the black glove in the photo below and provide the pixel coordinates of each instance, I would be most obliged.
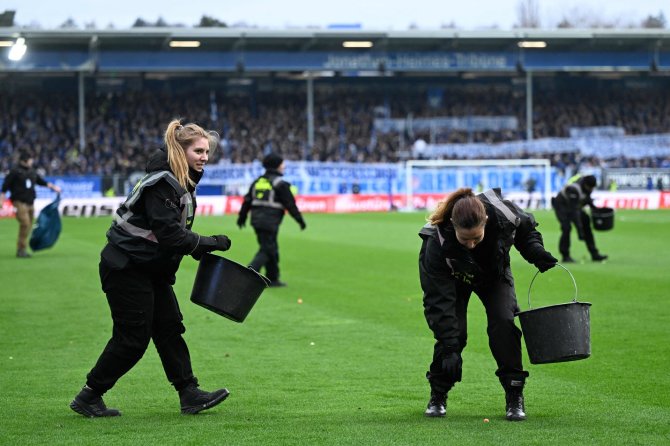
(302, 224)
(452, 365)
(241, 222)
(222, 243)
(209, 244)
(545, 261)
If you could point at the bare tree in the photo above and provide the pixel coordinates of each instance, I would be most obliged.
(652, 21)
(69, 24)
(528, 14)
(7, 18)
(211, 22)
(585, 18)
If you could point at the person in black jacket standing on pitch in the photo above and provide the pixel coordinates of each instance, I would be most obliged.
(150, 234)
(20, 183)
(268, 199)
(465, 249)
(569, 209)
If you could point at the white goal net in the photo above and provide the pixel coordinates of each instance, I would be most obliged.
(526, 181)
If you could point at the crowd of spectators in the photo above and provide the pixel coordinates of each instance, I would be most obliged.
(121, 127)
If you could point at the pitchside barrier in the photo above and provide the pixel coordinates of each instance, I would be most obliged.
(341, 203)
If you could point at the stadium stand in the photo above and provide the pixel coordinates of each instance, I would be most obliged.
(120, 126)
(441, 95)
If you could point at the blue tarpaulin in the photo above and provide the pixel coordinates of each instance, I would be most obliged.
(48, 227)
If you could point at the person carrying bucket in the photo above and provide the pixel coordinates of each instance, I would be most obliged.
(465, 248)
(150, 234)
(268, 198)
(569, 209)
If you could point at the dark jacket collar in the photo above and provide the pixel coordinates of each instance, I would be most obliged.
(273, 172)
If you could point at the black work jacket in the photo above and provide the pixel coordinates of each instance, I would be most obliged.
(570, 201)
(268, 198)
(444, 262)
(152, 228)
(20, 182)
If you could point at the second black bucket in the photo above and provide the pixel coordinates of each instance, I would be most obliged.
(603, 218)
(226, 287)
(557, 333)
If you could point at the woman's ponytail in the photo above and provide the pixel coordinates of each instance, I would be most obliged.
(462, 207)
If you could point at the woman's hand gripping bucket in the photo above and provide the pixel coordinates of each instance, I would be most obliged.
(557, 333)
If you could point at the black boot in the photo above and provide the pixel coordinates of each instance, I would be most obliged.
(437, 406)
(514, 406)
(90, 404)
(515, 409)
(597, 257)
(194, 400)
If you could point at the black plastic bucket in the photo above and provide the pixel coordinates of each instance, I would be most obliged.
(226, 287)
(557, 333)
(603, 218)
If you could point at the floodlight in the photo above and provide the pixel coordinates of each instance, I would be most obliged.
(17, 50)
(184, 43)
(532, 44)
(357, 44)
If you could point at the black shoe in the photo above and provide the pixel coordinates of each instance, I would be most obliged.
(598, 257)
(514, 406)
(568, 259)
(277, 284)
(194, 400)
(88, 404)
(437, 406)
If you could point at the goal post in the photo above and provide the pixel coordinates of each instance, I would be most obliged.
(511, 175)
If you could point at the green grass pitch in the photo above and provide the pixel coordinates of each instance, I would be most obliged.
(347, 365)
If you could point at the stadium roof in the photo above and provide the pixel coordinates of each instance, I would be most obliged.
(149, 49)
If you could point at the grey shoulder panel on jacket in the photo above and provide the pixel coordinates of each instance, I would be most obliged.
(428, 230)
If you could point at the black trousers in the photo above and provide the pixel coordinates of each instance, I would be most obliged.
(504, 336)
(563, 217)
(144, 308)
(268, 253)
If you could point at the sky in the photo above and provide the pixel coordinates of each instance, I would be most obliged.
(384, 15)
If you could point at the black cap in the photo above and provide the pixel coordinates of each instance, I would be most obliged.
(25, 155)
(589, 180)
(272, 161)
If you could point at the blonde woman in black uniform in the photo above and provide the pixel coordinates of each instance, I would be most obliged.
(150, 234)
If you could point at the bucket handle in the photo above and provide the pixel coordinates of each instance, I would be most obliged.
(265, 279)
(538, 272)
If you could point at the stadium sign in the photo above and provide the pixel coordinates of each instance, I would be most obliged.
(638, 178)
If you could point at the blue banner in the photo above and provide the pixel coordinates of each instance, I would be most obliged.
(310, 178)
(314, 178)
(509, 179)
(85, 186)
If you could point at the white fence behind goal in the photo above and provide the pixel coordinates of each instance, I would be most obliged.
(508, 174)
